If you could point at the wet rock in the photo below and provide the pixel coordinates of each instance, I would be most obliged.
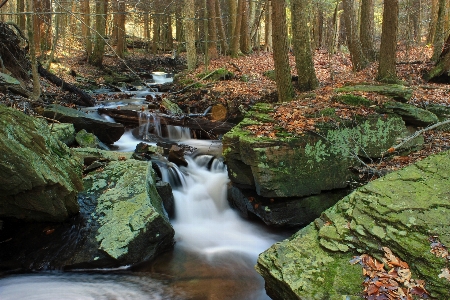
(89, 155)
(121, 222)
(400, 211)
(282, 212)
(39, 177)
(106, 132)
(176, 155)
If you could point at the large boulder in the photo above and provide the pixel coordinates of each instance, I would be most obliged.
(406, 211)
(287, 166)
(107, 132)
(39, 177)
(121, 222)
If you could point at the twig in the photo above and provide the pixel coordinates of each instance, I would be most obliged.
(416, 134)
(49, 119)
(3, 3)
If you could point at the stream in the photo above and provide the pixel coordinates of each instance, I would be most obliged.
(214, 254)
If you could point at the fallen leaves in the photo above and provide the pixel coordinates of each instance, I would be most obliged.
(440, 250)
(396, 282)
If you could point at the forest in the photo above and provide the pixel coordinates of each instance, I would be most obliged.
(303, 101)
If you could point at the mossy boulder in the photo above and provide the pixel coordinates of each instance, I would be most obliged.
(297, 166)
(39, 177)
(107, 132)
(65, 132)
(89, 140)
(398, 92)
(411, 114)
(400, 211)
(352, 100)
(442, 112)
(121, 222)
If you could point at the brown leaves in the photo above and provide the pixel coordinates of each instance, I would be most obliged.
(395, 283)
(439, 249)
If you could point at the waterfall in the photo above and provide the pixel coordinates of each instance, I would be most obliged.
(147, 120)
(204, 221)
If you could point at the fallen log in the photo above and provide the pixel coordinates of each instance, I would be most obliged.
(87, 100)
(131, 118)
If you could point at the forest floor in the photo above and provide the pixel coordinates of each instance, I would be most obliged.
(250, 85)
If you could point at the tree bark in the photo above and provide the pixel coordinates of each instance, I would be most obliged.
(439, 35)
(386, 67)
(221, 29)
(443, 65)
(30, 23)
(354, 45)
(235, 43)
(189, 29)
(21, 18)
(268, 27)
(86, 26)
(366, 29)
(121, 36)
(245, 29)
(433, 21)
(212, 30)
(96, 59)
(307, 79)
(280, 52)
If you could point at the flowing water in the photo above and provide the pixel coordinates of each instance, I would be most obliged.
(214, 254)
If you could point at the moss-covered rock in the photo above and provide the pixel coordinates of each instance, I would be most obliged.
(89, 140)
(400, 211)
(132, 223)
(442, 112)
(39, 177)
(396, 91)
(352, 100)
(304, 165)
(64, 132)
(411, 114)
(121, 222)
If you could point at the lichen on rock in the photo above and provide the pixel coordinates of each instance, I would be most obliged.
(400, 211)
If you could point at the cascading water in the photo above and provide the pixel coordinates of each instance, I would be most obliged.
(215, 249)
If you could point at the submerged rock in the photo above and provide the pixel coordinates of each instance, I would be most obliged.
(39, 177)
(401, 211)
(121, 222)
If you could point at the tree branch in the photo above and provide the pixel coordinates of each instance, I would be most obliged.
(3, 3)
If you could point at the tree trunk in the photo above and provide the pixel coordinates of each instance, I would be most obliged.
(212, 30)
(30, 24)
(189, 29)
(433, 21)
(386, 67)
(221, 29)
(366, 30)
(156, 32)
(416, 8)
(21, 17)
(42, 25)
(233, 8)
(245, 29)
(443, 65)
(354, 45)
(96, 59)
(235, 43)
(439, 36)
(307, 79)
(280, 52)
(121, 36)
(268, 27)
(86, 26)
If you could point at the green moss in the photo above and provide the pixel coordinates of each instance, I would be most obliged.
(398, 92)
(352, 100)
(270, 74)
